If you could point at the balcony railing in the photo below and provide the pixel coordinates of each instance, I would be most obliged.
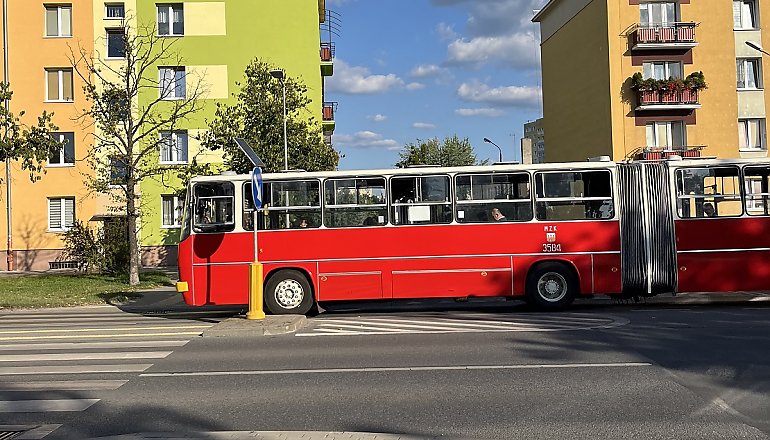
(662, 36)
(663, 153)
(667, 99)
(328, 111)
(327, 59)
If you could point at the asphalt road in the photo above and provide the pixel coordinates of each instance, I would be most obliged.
(614, 371)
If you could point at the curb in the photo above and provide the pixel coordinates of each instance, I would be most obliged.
(267, 435)
(270, 326)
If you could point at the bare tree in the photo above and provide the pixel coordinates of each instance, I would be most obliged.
(130, 103)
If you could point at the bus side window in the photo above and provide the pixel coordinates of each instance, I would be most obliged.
(213, 208)
(757, 184)
(708, 192)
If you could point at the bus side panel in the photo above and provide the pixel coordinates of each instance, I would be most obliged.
(452, 277)
(723, 254)
(580, 263)
(607, 277)
(347, 280)
(221, 267)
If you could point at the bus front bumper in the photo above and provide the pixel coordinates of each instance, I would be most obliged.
(181, 287)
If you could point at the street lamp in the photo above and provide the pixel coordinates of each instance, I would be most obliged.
(498, 147)
(756, 46)
(8, 211)
(279, 75)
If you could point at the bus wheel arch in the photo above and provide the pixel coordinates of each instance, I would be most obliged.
(552, 284)
(289, 291)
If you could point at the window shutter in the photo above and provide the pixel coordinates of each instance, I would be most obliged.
(54, 214)
(69, 213)
(66, 21)
(168, 210)
(737, 22)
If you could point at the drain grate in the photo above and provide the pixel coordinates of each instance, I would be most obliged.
(8, 435)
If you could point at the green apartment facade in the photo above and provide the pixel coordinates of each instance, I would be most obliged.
(214, 42)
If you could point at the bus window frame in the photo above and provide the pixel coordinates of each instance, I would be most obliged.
(392, 205)
(246, 193)
(612, 198)
(456, 203)
(386, 205)
(213, 228)
(764, 212)
(677, 197)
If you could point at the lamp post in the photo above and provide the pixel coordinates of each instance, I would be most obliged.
(279, 75)
(8, 212)
(756, 46)
(498, 147)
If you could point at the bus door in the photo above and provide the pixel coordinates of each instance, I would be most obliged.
(220, 258)
(648, 256)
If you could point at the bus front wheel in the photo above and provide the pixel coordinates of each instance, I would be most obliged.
(551, 286)
(288, 292)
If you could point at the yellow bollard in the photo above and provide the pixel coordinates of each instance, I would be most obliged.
(255, 292)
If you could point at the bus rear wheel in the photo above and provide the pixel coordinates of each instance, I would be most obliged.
(288, 292)
(551, 286)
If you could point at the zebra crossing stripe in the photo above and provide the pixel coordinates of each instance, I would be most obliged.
(53, 405)
(63, 385)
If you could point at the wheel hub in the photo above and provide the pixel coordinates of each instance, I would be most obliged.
(289, 294)
(552, 287)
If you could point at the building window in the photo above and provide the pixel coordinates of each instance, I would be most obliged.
(657, 13)
(171, 20)
(58, 20)
(118, 171)
(172, 82)
(116, 43)
(744, 14)
(666, 134)
(114, 10)
(751, 133)
(173, 147)
(59, 85)
(662, 70)
(748, 73)
(61, 213)
(66, 155)
(171, 210)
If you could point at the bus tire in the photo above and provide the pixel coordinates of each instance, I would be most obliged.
(288, 292)
(551, 285)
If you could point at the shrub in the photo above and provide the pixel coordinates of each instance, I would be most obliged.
(104, 249)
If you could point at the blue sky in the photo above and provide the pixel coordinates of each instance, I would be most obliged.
(417, 69)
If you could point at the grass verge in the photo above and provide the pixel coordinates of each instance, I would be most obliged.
(62, 290)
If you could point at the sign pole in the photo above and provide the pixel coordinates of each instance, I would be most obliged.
(256, 271)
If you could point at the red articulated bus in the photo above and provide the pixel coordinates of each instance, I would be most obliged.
(543, 233)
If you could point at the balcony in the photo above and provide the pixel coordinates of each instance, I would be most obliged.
(327, 59)
(685, 99)
(327, 120)
(664, 153)
(663, 36)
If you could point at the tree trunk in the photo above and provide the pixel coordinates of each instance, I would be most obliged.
(133, 240)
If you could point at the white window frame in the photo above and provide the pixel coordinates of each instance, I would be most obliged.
(58, 21)
(63, 211)
(60, 71)
(740, 65)
(169, 7)
(174, 146)
(745, 122)
(172, 96)
(669, 134)
(667, 21)
(666, 69)
(754, 16)
(111, 4)
(107, 32)
(62, 163)
(177, 204)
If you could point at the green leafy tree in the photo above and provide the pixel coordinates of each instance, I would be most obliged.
(31, 145)
(451, 152)
(258, 117)
(129, 105)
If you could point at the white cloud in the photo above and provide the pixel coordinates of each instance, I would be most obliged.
(446, 32)
(486, 111)
(519, 50)
(415, 86)
(427, 71)
(377, 118)
(365, 140)
(508, 96)
(424, 125)
(358, 80)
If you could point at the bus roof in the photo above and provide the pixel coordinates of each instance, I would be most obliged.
(427, 170)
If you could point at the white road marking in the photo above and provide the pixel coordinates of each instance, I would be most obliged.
(114, 335)
(45, 357)
(92, 345)
(74, 369)
(102, 329)
(397, 369)
(62, 385)
(23, 406)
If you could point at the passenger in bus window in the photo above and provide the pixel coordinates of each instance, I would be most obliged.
(370, 221)
(303, 223)
(497, 215)
(708, 210)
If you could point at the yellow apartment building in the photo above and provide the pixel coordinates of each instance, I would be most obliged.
(622, 78)
(41, 37)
